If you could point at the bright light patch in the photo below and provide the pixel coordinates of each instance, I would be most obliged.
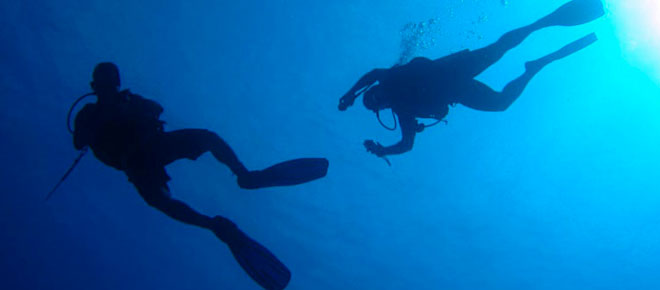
(638, 25)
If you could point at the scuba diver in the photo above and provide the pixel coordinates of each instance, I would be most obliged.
(124, 132)
(425, 88)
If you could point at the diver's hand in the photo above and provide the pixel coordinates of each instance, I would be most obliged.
(374, 148)
(346, 101)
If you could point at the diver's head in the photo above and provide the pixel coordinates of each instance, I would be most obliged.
(105, 78)
(374, 99)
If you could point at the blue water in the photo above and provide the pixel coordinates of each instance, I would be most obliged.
(558, 192)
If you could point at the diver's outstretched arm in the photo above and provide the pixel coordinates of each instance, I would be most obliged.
(408, 132)
(357, 89)
(82, 134)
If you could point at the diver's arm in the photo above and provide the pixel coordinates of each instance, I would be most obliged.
(366, 80)
(408, 132)
(79, 141)
(82, 133)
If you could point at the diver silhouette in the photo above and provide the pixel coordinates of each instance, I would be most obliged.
(425, 88)
(124, 131)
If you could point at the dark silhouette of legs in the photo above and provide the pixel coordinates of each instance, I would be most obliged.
(572, 13)
(477, 95)
(481, 59)
(147, 173)
(257, 261)
(158, 196)
(480, 96)
(191, 143)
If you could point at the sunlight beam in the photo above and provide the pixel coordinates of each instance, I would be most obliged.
(638, 25)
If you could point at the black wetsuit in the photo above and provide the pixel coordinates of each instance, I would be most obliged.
(129, 136)
(425, 88)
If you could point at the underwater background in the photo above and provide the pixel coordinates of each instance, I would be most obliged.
(558, 192)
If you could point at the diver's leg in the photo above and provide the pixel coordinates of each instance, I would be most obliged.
(157, 195)
(255, 259)
(574, 12)
(479, 96)
(481, 59)
(223, 153)
(191, 143)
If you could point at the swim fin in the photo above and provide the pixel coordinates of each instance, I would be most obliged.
(290, 172)
(565, 51)
(257, 261)
(575, 12)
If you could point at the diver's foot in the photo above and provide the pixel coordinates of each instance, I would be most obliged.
(266, 178)
(225, 230)
(292, 172)
(250, 180)
(571, 48)
(535, 66)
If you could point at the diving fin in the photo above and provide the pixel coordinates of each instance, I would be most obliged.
(257, 261)
(290, 172)
(575, 12)
(565, 51)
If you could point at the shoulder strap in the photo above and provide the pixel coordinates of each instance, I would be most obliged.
(73, 106)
